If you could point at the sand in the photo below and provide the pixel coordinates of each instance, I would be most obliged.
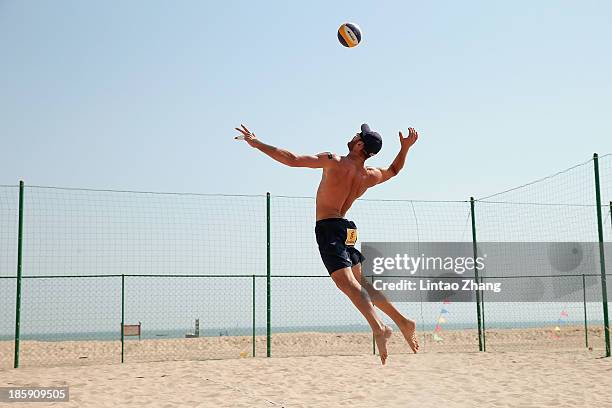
(40, 353)
(502, 379)
(521, 368)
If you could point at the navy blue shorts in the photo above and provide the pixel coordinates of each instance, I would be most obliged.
(336, 238)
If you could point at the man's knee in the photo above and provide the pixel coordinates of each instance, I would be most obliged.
(343, 278)
(347, 283)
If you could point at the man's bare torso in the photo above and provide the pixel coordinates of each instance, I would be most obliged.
(341, 184)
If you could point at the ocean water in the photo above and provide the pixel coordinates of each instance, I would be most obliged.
(260, 331)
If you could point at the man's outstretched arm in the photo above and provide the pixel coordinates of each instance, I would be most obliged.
(283, 156)
(380, 175)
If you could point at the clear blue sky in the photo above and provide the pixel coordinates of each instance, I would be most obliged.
(145, 94)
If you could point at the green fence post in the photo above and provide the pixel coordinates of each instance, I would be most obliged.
(586, 327)
(373, 338)
(373, 345)
(253, 315)
(19, 267)
(474, 248)
(482, 316)
(602, 259)
(122, 311)
(268, 269)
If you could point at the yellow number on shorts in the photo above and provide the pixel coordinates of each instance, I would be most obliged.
(351, 236)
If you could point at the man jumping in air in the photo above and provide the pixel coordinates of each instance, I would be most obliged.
(344, 179)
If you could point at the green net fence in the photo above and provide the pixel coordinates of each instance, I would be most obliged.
(558, 208)
(296, 263)
(159, 262)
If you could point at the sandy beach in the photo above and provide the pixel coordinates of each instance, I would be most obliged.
(57, 353)
(502, 379)
(521, 368)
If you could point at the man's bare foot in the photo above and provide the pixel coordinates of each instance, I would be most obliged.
(408, 329)
(381, 339)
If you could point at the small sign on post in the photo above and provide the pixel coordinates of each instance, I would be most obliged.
(132, 329)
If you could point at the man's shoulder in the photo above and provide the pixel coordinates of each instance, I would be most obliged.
(330, 156)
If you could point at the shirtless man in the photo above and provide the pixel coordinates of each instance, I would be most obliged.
(346, 178)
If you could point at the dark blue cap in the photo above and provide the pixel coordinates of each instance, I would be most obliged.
(372, 141)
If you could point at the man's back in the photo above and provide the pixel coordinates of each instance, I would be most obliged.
(341, 184)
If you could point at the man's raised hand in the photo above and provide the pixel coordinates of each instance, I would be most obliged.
(409, 140)
(246, 135)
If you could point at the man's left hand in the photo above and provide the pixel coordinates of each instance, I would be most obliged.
(409, 140)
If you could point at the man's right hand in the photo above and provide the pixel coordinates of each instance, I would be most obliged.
(409, 140)
(247, 136)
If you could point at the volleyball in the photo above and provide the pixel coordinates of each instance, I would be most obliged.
(349, 35)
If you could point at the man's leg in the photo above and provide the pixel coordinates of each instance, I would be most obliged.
(346, 282)
(407, 326)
